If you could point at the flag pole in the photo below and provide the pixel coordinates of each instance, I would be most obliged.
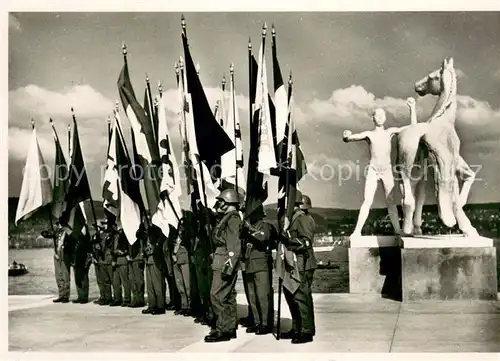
(231, 71)
(90, 193)
(151, 106)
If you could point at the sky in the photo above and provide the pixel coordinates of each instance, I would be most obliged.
(343, 65)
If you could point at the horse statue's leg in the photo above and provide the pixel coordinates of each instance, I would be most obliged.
(407, 151)
(444, 176)
(468, 176)
(463, 221)
(420, 192)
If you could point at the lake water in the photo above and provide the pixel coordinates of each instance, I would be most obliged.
(41, 281)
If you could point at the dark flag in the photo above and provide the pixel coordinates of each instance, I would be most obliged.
(79, 188)
(61, 180)
(212, 141)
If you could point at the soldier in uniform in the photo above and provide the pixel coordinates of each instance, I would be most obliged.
(62, 258)
(226, 238)
(82, 261)
(108, 242)
(175, 299)
(136, 271)
(180, 260)
(299, 240)
(155, 271)
(120, 271)
(97, 258)
(257, 262)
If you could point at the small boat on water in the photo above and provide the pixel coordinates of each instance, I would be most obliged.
(17, 269)
(329, 265)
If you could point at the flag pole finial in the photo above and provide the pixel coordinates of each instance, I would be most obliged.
(117, 106)
(51, 121)
(264, 30)
(249, 43)
(273, 31)
(160, 87)
(198, 68)
(156, 102)
(181, 63)
(32, 123)
(231, 69)
(147, 78)
(183, 23)
(124, 49)
(176, 68)
(72, 111)
(223, 81)
(290, 81)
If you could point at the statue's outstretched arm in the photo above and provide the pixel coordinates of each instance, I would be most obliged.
(349, 137)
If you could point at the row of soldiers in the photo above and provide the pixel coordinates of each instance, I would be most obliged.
(199, 262)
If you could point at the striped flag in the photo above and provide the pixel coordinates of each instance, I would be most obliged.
(207, 140)
(144, 140)
(130, 200)
(232, 162)
(110, 193)
(262, 157)
(36, 188)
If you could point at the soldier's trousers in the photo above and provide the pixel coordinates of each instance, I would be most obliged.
(82, 281)
(301, 305)
(173, 292)
(107, 281)
(183, 283)
(98, 278)
(223, 300)
(203, 283)
(121, 280)
(156, 288)
(62, 269)
(259, 290)
(250, 319)
(136, 278)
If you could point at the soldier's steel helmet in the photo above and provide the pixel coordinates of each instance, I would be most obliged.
(229, 196)
(306, 202)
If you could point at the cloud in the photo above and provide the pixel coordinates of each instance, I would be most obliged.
(14, 23)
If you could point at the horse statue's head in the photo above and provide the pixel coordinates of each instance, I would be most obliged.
(438, 81)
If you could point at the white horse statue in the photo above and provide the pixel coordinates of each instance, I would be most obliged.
(438, 142)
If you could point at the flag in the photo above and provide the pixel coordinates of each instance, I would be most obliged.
(261, 156)
(170, 186)
(296, 162)
(36, 188)
(150, 109)
(211, 140)
(128, 188)
(79, 188)
(207, 140)
(144, 140)
(110, 193)
(281, 103)
(61, 180)
(232, 162)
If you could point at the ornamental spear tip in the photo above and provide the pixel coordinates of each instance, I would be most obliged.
(124, 48)
(264, 30)
(249, 43)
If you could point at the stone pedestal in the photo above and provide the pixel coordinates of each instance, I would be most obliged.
(448, 268)
(375, 266)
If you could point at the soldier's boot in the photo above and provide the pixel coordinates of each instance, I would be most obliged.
(302, 338)
(216, 336)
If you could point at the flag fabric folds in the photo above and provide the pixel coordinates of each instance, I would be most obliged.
(128, 187)
(61, 180)
(110, 193)
(79, 188)
(36, 187)
(232, 162)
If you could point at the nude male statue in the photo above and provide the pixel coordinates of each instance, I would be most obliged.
(380, 167)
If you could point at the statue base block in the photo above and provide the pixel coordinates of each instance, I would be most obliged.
(448, 268)
(375, 266)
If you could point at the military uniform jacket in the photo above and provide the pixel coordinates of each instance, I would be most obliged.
(82, 249)
(62, 243)
(153, 250)
(227, 242)
(120, 249)
(258, 258)
(301, 231)
(108, 242)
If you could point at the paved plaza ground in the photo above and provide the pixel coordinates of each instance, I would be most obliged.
(344, 322)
